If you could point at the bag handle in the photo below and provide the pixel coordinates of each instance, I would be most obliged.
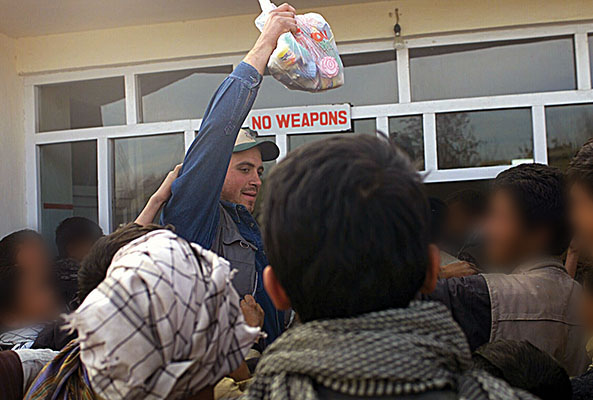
(266, 6)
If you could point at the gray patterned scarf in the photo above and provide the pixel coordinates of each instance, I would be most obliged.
(387, 353)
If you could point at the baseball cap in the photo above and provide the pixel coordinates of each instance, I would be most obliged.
(246, 140)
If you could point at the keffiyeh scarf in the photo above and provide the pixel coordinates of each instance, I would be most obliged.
(63, 378)
(388, 353)
(163, 324)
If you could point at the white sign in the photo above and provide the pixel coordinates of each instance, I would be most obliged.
(309, 119)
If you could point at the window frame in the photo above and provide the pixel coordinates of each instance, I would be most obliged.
(381, 113)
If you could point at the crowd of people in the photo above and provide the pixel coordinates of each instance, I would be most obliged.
(357, 286)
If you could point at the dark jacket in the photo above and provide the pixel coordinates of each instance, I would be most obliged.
(326, 394)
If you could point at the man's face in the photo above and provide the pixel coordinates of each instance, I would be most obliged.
(581, 214)
(36, 299)
(243, 178)
(504, 233)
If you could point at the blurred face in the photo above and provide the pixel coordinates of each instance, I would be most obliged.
(36, 300)
(581, 215)
(507, 242)
(243, 178)
(78, 251)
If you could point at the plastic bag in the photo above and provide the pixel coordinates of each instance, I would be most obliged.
(308, 60)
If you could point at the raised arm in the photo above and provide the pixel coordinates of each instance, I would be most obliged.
(193, 206)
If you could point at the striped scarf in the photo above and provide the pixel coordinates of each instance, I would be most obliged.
(64, 378)
(388, 353)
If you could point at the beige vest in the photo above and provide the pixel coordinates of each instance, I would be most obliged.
(540, 303)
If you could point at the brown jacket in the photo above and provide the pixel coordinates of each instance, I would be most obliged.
(539, 303)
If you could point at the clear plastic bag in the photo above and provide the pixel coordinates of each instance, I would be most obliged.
(308, 60)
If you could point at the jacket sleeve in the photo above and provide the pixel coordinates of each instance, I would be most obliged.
(193, 206)
(468, 300)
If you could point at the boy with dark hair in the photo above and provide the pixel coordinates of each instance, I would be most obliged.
(526, 294)
(347, 232)
(580, 179)
(27, 296)
(524, 366)
(465, 210)
(75, 236)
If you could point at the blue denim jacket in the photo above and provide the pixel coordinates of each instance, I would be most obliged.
(193, 208)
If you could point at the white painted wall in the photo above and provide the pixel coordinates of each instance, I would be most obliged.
(12, 141)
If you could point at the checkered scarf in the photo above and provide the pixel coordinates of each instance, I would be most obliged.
(164, 323)
(389, 353)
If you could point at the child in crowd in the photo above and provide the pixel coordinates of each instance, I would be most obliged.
(526, 293)
(580, 179)
(27, 295)
(159, 319)
(347, 232)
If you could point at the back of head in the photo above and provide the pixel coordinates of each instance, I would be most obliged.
(75, 230)
(347, 227)
(538, 191)
(524, 366)
(9, 272)
(581, 166)
(472, 201)
(94, 267)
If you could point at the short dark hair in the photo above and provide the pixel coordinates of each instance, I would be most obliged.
(94, 267)
(473, 201)
(538, 191)
(524, 366)
(347, 227)
(75, 230)
(580, 168)
(9, 271)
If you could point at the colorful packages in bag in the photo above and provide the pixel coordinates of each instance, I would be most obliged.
(307, 60)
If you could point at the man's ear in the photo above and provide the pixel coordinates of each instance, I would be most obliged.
(432, 271)
(275, 290)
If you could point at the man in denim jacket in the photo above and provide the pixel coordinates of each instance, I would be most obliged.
(215, 193)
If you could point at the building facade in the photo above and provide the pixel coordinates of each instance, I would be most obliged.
(92, 121)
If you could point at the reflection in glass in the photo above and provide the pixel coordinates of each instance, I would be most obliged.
(366, 126)
(492, 68)
(81, 104)
(407, 132)
(140, 166)
(568, 128)
(484, 138)
(68, 177)
(370, 78)
(173, 95)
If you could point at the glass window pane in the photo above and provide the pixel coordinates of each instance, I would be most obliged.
(68, 178)
(407, 132)
(495, 68)
(484, 138)
(173, 95)
(366, 126)
(81, 104)
(568, 128)
(140, 166)
(370, 78)
(591, 53)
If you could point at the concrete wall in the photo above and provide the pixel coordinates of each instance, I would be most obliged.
(236, 34)
(12, 141)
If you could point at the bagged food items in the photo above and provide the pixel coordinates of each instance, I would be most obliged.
(307, 60)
